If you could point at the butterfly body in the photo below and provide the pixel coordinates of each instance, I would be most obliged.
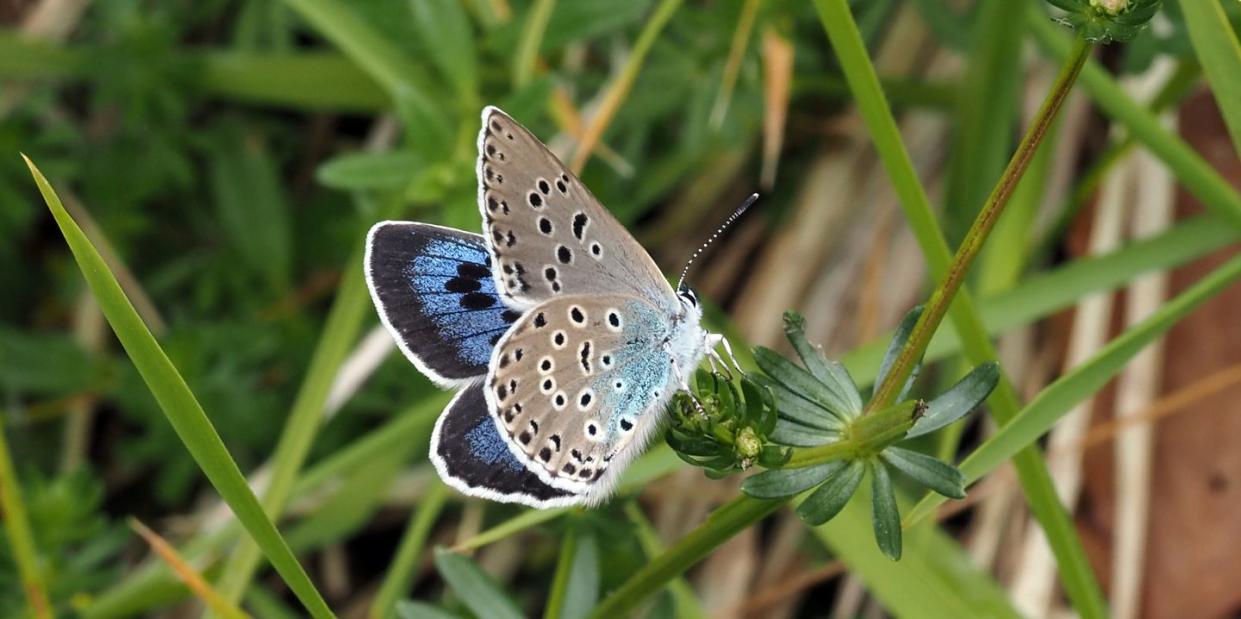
(566, 339)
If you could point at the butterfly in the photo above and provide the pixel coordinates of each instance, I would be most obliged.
(562, 335)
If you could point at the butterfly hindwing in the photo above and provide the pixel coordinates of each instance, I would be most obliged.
(576, 386)
(547, 234)
(470, 454)
(434, 291)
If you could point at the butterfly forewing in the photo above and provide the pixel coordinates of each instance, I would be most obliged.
(575, 384)
(547, 234)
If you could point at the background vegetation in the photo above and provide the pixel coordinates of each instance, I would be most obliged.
(217, 163)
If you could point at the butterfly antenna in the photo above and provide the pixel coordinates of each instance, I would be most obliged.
(714, 235)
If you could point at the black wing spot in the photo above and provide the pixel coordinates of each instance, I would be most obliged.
(586, 473)
(540, 320)
(518, 354)
(558, 339)
(492, 203)
(555, 286)
(564, 254)
(614, 319)
(535, 199)
(524, 437)
(592, 429)
(576, 315)
(545, 225)
(625, 424)
(510, 317)
(545, 454)
(504, 361)
(559, 399)
(462, 285)
(577, 455)
(596, 249)
(546, 365)
(584, 401)
(555, 439)
(511, 240)
(569, 468)
(585, 353)
(550, 274)
(495, 126)
(534, 426)
(579, 225)
(477, 301)
(544, 187)
(562, 187)
(502, 391)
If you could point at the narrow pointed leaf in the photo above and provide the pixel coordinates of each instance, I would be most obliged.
(833, 495)
(780, 483)
(899, 337)
(884, 515)
(178, 403)
(833, 375)
(474, 587)
(962, 398)
(801, 382)
(797, 435)
(793, 406)
(928, 471)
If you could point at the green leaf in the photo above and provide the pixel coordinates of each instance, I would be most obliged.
(833, 495)
(45, 363)
(355, 171)
(1218, 50)
(252, 208)
(799, 409)
(179, 405)
(406, 609)
(446, 34)
(576, 588)
(968, 394)
(780, 483)
(899, 337)
(884, 516)
(833, 375)
(928, 471)
(792, 433)
(801, 382)
(474, 587)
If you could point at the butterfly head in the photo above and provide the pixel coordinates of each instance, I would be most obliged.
(691, 311)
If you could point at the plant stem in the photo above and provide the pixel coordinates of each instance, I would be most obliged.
(17, 525)
(865, 436)
(409, 551)
(725, 522)
(943, 295)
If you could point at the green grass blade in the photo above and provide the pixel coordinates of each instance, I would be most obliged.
(1220, 54)
(683, 596)
(400, 574)
(476, 589)
(180, 406)
(575, 588)
(1075, 572)
(376, 55)
(344, 321)
(934, 579)
(21, 540)
(1216, 194)
(531, 39)
(1082, 382)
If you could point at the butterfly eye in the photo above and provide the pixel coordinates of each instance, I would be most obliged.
(688, 295)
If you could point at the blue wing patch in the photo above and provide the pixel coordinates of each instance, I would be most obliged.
(435, 293)
(472, 457)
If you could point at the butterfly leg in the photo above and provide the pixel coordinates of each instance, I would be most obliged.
(716, 340)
